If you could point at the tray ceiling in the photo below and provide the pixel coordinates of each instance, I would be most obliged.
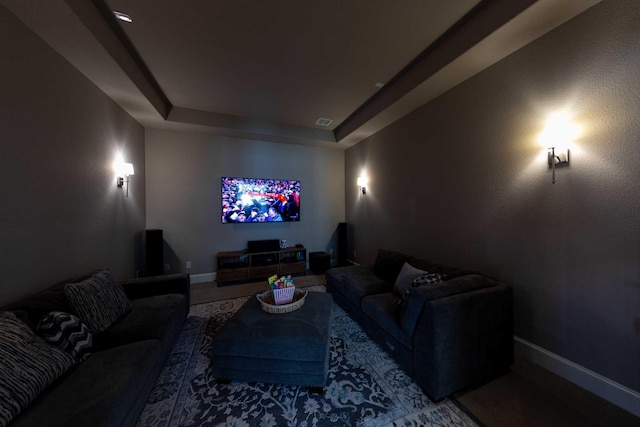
(270, 69)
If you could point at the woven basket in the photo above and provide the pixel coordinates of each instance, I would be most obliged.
(268, 303)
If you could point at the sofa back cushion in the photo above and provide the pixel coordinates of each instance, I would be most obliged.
(388, 265)
(99, 300)
(27, 366)
(431, 267)
(35, 307)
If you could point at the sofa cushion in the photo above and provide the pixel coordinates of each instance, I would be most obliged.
(355, 282)
(98, 300)
(157, 317)
(100, 392)
(27, 366)
(384, 310)
(405, 278)
(68, 333)
(388, 264)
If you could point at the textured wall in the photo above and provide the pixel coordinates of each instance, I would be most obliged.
(184, 196)
(61, 214)
(463, 180)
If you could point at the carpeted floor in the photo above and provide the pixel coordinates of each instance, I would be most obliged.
(365, 386)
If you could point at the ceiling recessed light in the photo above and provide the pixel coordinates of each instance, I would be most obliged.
(324, 122)
(123, 16)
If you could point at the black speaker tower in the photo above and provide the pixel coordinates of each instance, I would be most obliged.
(344, 243)
(155, 252)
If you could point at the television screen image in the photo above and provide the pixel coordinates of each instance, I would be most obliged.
(253, 200)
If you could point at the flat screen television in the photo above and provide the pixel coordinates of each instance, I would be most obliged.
(255, 200)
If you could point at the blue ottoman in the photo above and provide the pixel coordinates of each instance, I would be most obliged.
(288, 348)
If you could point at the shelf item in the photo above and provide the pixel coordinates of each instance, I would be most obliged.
(240, 265)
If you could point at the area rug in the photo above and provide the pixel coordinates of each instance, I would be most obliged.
(365, 387)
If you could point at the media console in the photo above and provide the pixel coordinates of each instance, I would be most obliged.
(241, 265)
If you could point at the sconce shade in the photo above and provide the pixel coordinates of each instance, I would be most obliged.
(559, 132)
(123, 172)
(362, 182)
(127, 169)
(124, 169)
(557, 136)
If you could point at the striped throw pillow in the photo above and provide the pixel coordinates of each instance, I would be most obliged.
(99, 300)
(66, 332)
(27, 366)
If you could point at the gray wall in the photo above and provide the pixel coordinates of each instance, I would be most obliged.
(184, 197)
(61, 214)
(463, 181)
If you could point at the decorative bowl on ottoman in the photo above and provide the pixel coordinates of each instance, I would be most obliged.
(269, 301)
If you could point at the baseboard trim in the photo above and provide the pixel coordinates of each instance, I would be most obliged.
(597, 384)
(201, 278)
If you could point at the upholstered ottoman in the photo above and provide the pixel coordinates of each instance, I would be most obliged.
(288, 348)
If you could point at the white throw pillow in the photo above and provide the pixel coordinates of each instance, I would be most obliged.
(27, 366)
(99, 300)
(405, 278)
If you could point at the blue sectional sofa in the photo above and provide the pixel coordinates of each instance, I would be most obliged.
(449, 334)
(111, 386)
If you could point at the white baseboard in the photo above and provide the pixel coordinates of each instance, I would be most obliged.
(201, 278)
(601, 386)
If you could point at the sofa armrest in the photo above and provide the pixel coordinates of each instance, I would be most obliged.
(158, 285)
(463, 339)
(415, 299)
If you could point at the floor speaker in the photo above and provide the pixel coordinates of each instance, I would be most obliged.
(344, 243)
(319, 262)
(155, 252)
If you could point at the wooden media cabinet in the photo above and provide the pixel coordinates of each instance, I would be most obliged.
(241, 265)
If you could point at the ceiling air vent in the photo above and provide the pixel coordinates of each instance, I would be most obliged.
(324, 122)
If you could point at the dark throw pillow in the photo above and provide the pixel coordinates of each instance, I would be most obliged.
(68, 333)
(99, 300)
(405, 278)
(27, 366)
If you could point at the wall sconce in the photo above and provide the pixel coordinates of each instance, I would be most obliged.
(362, 183)
(123, 172)
(556, 159)
(557, 135)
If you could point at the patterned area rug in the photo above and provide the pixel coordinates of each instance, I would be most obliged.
(365, 387)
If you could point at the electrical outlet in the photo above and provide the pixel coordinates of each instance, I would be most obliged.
(188, 264)
(167, 268)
